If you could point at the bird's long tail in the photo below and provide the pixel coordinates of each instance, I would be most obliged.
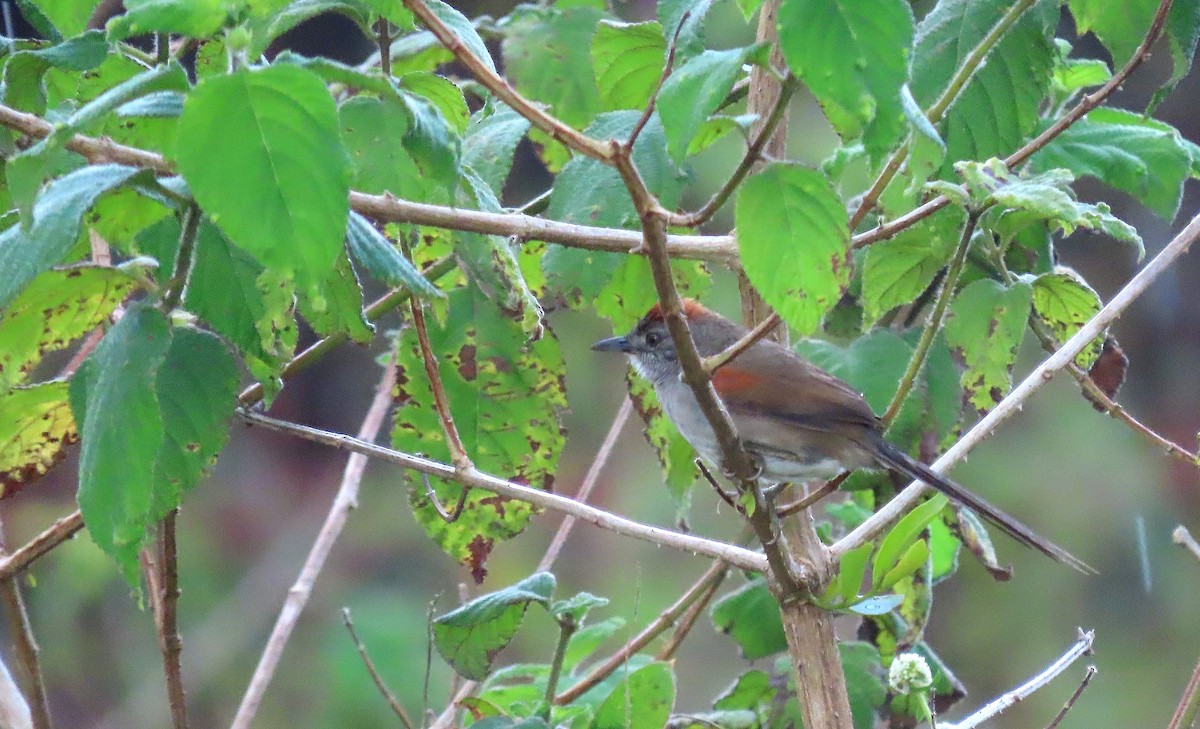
(896, 459)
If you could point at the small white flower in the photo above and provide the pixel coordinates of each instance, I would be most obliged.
(909, 672)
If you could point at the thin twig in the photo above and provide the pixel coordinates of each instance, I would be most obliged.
(172, 645)
(297, 596)
(590, 479)
(1042, 374)
(383, 37)
(498, 85)
(688, 620)
(26, 647)
(1085, 105)
(566, 628)
(725, 496)
(752, 156)
(455, 512)
(1087, 679)
(804, 502)
(668, 66)
(1185, 712)
(748, 340)
(935, 321)
(1082, 647)
(737, 556)
(184, 258)
(388, 208)
(384, 691)
(52, 536)
(445, 720)
(714, 574)
(1184, 538)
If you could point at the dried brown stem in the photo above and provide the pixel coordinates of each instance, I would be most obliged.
(54, 535)
(688, 620)
(172, 645)
(762, 329)
(504, 91)
(804, 502)
(736, 556)
(1185, 712)
(26, 648)
(712, 576)
(384, 691)
(590, 479)
(1087, 679)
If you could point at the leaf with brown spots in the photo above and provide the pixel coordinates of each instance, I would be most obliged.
(56, 308)
(505, 393)
(35, 427)
(988, 321)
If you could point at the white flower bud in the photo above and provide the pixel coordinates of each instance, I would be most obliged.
(909, 672)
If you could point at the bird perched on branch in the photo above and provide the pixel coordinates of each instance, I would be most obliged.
(797, 421)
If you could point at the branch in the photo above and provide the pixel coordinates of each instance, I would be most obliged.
(1042, 374)
(388, 208)
(736, 556)
(168, 628)
(668, 65)
(393, 702)
(589, 482)
(20, 630)
(1184, 538)
(1086, 104)
(1087, 679)
(297, 597)
(54, 535)
(1082, 647)
(706, 582)
(499, 86)
(1185, 713)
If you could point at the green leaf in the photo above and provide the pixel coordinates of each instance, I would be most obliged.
(914, 559)
(861, 94)
(370, 128)
(794, 240)
(57, 216)
(588, 639)
(335, 304)
(434, 146)
(464, 29)
(987, 322)
(56, 308)
(864, 681)
(267, 27)
(851, 570)
(675, 454)
(505, 394)
(70, 17)
(1065, 302)
(24, 71)
(751, 617)
(896, 271)
(159, 104)
(469, 637)
(751, 690)
(122, 432)
(694, 91)
(1080, 73)
(443, 94)
(900, 538)
(1143, 157)
(35, 428)
(577, 607)
(1183, 30)
(547, 55)
(642, 700)
(195, 18)
(261, 153)
(382, 260)
(684, 20)
(628, 60)
(999, 106)
(490, 144)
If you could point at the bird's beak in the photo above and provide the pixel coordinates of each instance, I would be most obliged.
(613, 344)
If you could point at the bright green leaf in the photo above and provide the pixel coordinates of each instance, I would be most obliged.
(576, 607)
(899, 269)
(370, 128)
(490, 143)
(901, 537)
(794, 240)
(70, 17)
(195, 18)
(914, 558)
(469, 637)
(547, 55)
(750, 615)
(335, 304)
(642, 700)
(628, 60)
(694, 91)
(1065, 302)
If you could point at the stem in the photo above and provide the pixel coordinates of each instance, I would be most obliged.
(689, 618)
(172, 645)
(1087, 679)
(393, 702)
(736, 556)
(935, 321)
(1184, 538)
(26, 648)
(1185, 713)
(184, 258)
(54, 535)
(762, 329)
(383, 37)
(566, 628)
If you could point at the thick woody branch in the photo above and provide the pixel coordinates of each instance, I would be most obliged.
(1010, 405)
(499, 86)
(736, 556)
(1086, 104)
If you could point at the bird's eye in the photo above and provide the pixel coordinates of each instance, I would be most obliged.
(653, 339)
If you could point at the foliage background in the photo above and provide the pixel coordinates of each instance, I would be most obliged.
(243, 533)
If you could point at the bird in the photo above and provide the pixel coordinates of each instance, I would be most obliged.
(797, 421)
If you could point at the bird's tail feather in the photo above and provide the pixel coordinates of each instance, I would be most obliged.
(898, 460)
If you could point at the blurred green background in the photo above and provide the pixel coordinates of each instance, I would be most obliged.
(1076, 475)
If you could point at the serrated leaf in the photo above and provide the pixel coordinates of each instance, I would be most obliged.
(861, 94)
(694, 91)
(901, 537)
(576, 607)
(490, 143)
(588, 639)
(642, 700)
(750, 615)
(25, 69)
(70, 17)
(505, 394)
(57, 307)
(684, 20)
(35, 428)
(57, 215)
(195, 18)
(442, 93)
(675, 454)
(547, 55)
(1065, 302)
(987, 322)
(335, 304)
(370, 128)
(261, 153)
(463, 29)
(1143, 157)
(628, 60)
(999, 106)
(382, 260)
(896, 271)
(794, 240)
(469, 637)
